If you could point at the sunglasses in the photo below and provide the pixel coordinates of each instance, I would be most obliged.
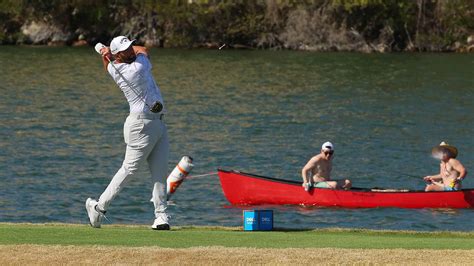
(329, 152)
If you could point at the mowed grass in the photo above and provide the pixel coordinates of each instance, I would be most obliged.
(187, 237)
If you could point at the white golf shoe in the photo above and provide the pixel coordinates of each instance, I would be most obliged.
(161, 222)
(95, 216)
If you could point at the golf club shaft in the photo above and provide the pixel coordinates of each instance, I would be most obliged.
(139, 95)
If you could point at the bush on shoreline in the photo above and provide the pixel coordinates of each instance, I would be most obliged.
(318, 25)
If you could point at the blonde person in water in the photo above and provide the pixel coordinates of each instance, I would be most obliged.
(317, 172)
(451, 170)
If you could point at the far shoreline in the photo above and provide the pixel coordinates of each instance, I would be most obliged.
(238, 48)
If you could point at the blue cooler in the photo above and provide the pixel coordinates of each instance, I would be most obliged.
(258, 220)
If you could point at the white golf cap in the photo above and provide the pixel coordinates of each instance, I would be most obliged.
(119, 44)
(327, 146)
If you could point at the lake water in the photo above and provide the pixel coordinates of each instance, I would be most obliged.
(256, 111)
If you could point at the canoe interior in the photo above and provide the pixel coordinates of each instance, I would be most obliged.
(298, 183)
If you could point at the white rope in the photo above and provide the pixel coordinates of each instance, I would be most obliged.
(203, 175)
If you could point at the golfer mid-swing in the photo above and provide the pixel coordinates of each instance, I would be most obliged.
(144, 131)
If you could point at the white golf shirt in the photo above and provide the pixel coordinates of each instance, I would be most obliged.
(138, 76)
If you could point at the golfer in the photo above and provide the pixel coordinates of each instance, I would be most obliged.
(144, 130)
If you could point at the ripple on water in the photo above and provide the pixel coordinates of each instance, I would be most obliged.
(256, 111)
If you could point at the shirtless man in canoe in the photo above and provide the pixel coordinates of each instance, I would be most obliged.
(451, 171)
(317, 172)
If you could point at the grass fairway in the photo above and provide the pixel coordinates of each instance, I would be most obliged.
(185, 237)
(61, 243)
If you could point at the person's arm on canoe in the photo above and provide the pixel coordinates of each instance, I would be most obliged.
(457, 165)
(307, 168)
(434, 178)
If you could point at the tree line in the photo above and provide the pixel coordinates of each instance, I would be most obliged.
(320, 25)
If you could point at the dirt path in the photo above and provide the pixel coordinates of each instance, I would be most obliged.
(54, 255)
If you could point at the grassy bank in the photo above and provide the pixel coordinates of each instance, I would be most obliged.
(59, 244)
(186, 237)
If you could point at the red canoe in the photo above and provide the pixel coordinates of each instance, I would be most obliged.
(248, 189)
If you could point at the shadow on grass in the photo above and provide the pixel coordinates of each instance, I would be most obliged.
(282, 229)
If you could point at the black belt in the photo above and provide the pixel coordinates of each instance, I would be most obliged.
(149, 116)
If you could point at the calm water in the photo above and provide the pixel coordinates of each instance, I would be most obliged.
(264, 112)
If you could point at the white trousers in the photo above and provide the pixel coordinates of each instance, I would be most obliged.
(147, 143)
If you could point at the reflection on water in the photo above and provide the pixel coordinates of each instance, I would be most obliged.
(256, 111)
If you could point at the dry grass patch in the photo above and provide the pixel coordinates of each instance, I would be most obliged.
(55, 255)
